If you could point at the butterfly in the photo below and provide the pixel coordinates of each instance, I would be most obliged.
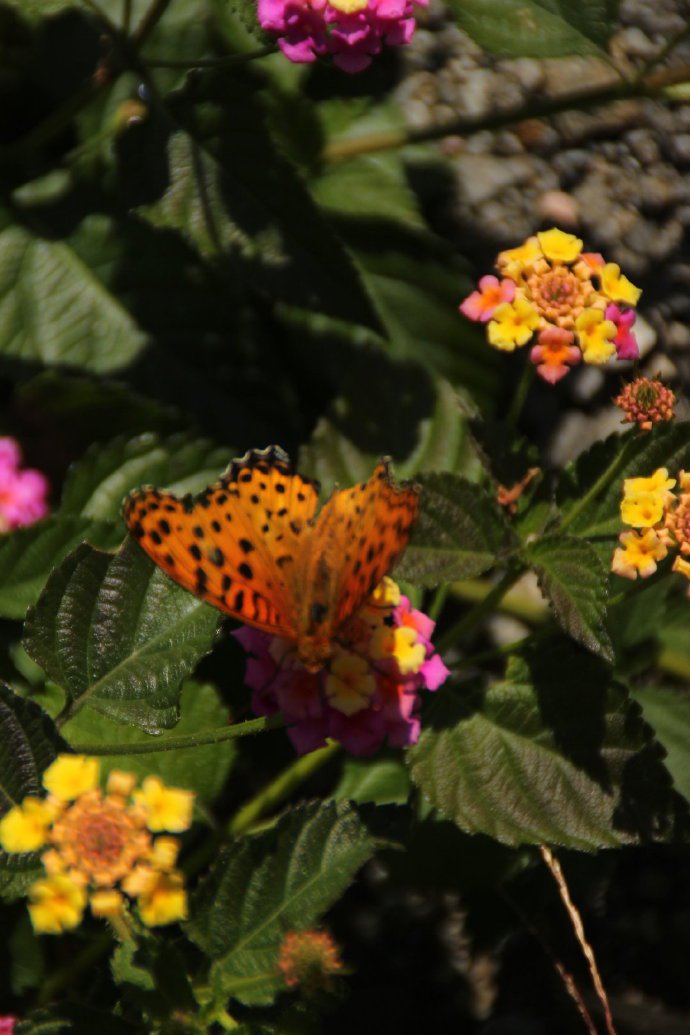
(256, 546)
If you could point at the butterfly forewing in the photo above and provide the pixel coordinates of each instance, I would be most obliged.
(235, 545)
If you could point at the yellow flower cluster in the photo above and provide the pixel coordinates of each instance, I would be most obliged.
(98, 848)
(659, 520)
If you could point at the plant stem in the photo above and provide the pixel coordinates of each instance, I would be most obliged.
(602, 482)
(96, 947)
(149, 22)
(281, 788)
(438, 601)
(216, 736)
(485, 606)
(219, 62)
(521, 392)
(587, 97)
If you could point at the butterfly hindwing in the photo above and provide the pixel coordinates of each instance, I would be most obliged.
(370, 527)
(234, 544)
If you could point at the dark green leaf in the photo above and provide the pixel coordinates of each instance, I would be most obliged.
(668, 713)
(55, 308)
(281, 880)
(118, 635)
(556, 753)
(458, 535)
(575, 582)
(381, 780)
(537, 28)
(29, 742)
(28, 555)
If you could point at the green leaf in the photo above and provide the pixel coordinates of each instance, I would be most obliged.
(236, 198)
(668, 713)
(417, 422)
(118, 635)
(381, 780)
(458, 534)
(537, 28)
(575, 582)
(369, 185)
(28, 555)
(556, 753)
(259, 889)
(200, 769)
(634, 455)
(55, 308)
(40, 8)
(96, 486)
(29, 742)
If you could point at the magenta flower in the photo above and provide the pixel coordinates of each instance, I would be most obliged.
(369, 691)
(352, 31)
(625, 341)
(480, 305)
(23, 494)
(7, 1023)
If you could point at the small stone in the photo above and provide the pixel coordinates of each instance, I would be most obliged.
(559, 208)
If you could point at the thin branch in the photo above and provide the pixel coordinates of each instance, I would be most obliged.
(576, 920)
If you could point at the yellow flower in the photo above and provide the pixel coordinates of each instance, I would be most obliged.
(107, 903)
(165, 901)
(164, 853)
(513, 261)
(617, 287)
(121, 782)
(56, 904)
(559, 246)
(400, 643)
(642, 510)
(167, 808)
(350, 683)
(595, 336)
(658, 483)
(24, 828)
(71, 776)
(386, 594)
(513, 324)
(639, 554)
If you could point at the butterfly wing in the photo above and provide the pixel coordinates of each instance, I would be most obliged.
(358, 536)
(233, 544)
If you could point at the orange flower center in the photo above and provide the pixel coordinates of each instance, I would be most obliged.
(100, 838)
(559, 295)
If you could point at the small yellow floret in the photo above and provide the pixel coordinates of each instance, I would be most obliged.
(167, 808)
(617, 287)
(165, 902)
(56, 904)
(638, 554)
(164, 853)
(559, 246)
(108, 903)
(349, 6)
(121, 782)
(70, 776)
(513, 261)
(24, 828)
(350, 683)
(595, 336)
(642, 510)
(513, 324)
(386, 594)
(682, 566)
(409, 654)
(658, 483)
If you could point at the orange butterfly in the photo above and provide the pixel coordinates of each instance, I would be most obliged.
(253, 545)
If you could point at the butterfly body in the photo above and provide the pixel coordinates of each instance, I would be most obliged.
(255, 545)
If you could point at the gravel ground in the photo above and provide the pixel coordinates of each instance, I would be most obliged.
(619, 175)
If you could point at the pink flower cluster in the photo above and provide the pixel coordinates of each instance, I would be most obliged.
(23, 494)
(7, 1025)
(352, 31)
(368, 692)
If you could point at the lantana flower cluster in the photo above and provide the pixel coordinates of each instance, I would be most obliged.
(646, 402)
(368, 692)
(568, 304)
(99, 848)
(351, 31)
(659, 522)
(23, 493)
(309, 960)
